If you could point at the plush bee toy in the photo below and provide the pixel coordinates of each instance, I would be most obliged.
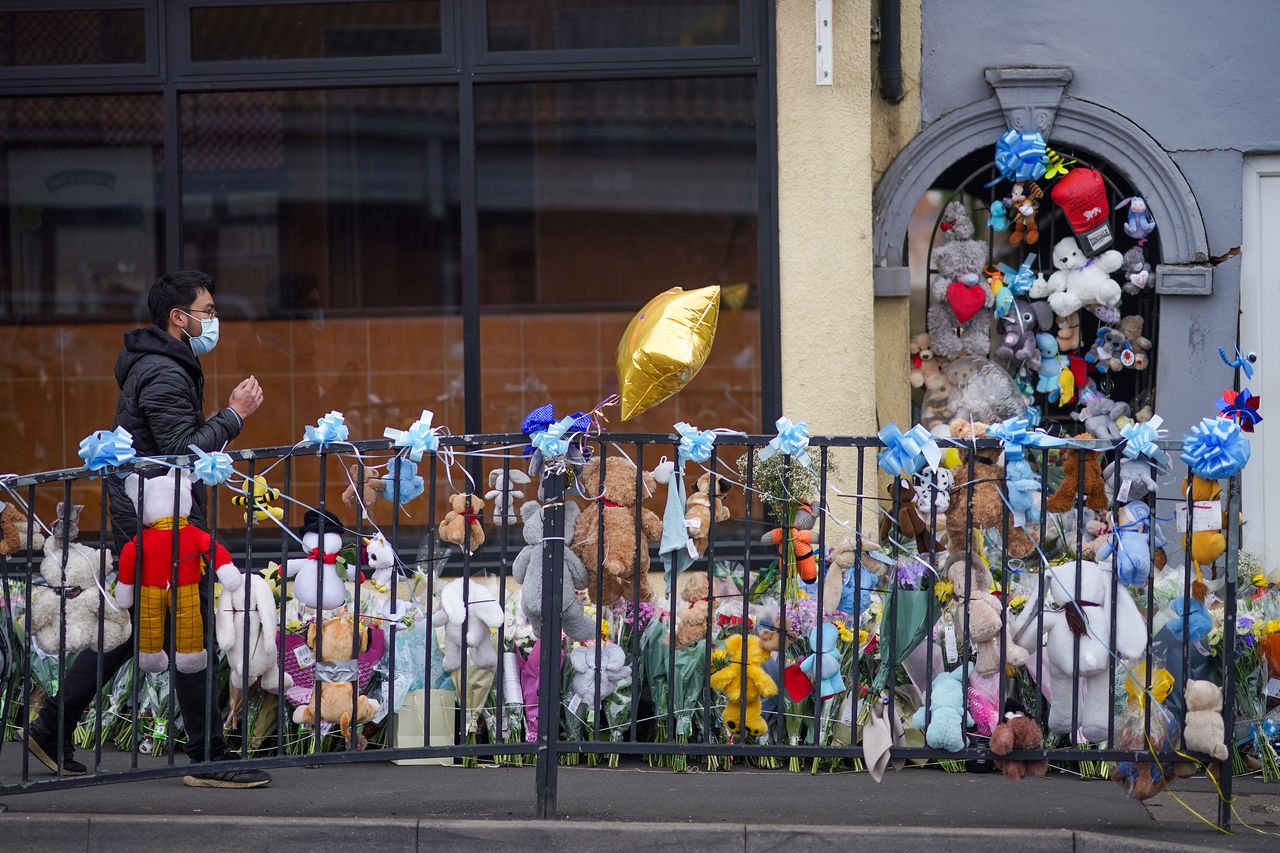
(259, 500)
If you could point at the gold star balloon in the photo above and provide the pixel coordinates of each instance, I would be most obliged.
(665, 346)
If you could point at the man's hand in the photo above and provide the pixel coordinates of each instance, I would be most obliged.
(246, 398)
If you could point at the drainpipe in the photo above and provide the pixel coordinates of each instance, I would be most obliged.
(891, 50)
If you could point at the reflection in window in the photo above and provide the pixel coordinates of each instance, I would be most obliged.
(602, 24)
(594, 197)
(73, 37)
(329, 220)
(80, 243)
(315, 30)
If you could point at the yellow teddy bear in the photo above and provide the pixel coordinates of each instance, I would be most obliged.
(728, 681)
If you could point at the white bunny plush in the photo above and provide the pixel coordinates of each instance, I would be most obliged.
(480, 611)
(306, 572)
(505, 496)
(229, 626)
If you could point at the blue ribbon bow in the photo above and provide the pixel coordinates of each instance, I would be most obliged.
(106, 448)
(419, 438)
(1141, 440)
(1021, 279)
(332, 427)
(551, 442)
(411, 483)
(695, 444)
(212, 469)
(544, 416)
(907, 451)
(1021, 156)
(1017, 436)
(1215, 448)
(792, 440)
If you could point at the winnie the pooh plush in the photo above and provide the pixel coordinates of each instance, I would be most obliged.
(615, 503)
(337, 640)
(727, 680)
(461, 525)
(1206, 545)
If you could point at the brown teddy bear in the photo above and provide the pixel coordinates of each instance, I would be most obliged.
(903, 493)
(692, 624)
(13, 532)
(1131, 328)
(989, 509)
(455, 524)
(1095, 491)
(986, 614)
(1018, 731)
(617, 504)
(335, 696)
(369, 493)
(697, 514)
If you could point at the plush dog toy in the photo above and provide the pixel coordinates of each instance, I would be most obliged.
(316, 574)
(910, 523)
(527, 571)
(616, 502)
(1204, 730)
(727, 681)
(946, 711)
(959, 316)
(337, 641)
(154, 572)
(461, 524)
(70, 571)
(1018, 731)
(1095, 493)
(697, 514)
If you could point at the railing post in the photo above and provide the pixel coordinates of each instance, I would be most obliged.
(1228, 645)
(553, 482)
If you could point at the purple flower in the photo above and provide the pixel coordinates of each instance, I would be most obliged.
(910, 572)
(1244, 625)
(802, 616)
(646, 616)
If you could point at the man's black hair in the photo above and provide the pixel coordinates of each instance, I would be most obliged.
(175, 290)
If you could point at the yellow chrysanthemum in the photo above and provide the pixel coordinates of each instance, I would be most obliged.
(944, 590)
(1263, 629)
(1017, 602)
(863, 636)
(846, 635)
(604, 628)
(720, 656)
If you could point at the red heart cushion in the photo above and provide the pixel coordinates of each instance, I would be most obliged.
(797, 683)
(965, 300)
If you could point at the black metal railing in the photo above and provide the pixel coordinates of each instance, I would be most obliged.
(657, 674)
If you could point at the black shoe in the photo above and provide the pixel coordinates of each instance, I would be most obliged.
(228, 778)
(44, 747)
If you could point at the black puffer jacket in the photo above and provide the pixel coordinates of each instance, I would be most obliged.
(162, 405)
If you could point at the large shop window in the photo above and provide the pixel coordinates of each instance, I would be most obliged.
(594, 197)
(81, 236)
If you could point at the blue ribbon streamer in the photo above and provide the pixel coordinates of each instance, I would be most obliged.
(1021, 156)
(908, 451)
(792, 440)
(329, 429)
(1215, 448)
(212, 469)
(418, 439)
(107, 449)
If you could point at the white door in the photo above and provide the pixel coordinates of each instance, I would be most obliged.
(1259, 311)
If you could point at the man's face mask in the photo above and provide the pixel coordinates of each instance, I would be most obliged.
(208, 337)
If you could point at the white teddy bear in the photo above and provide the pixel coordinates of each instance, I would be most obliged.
(1079, 281)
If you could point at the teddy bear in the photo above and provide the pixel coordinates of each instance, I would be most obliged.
(826, 675)
(337, 641)
(612, 512)
(505, 495)
(1131, 544)
(986, 614)
(1203, 731)
(147, 562)
(742, 709)
(946, 712)
(1137, 272)
(461, 524)
(229, 630)
(988, 509)
(370, 490)
(922, 364)
(316, 574)
(1095, 493)
(70, 570)
(613, 670)
(1018, 343)
(14, 536)
(1024, 201)
(691, 626)
(1086, 621)
(803, 539)
(1099, 414)
(1018, 731)
(1079, 280)
(697, 514)
(937, 406)
(528, 572)
(1138, 346)
(910, 523)
(480, 612)
(1107, 352)
(959, 318)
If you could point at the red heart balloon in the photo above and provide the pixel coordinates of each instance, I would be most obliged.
(965, 300)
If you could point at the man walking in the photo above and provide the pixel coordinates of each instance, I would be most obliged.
(162, 405)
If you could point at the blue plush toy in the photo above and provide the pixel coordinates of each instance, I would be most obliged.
(1131, 544)
(411, 483)
(827, 676)
(947, 714)
(853, 578)
(999, 220)
(1198, 622)
(1023, 486)
(1050, 366)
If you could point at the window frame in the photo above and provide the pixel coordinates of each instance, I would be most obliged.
(147, 71)
(466, 63)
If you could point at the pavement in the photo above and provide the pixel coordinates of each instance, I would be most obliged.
(379, 806)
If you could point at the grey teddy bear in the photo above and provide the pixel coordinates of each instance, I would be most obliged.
(960, 258)
(527, 570)
(1099, 415)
